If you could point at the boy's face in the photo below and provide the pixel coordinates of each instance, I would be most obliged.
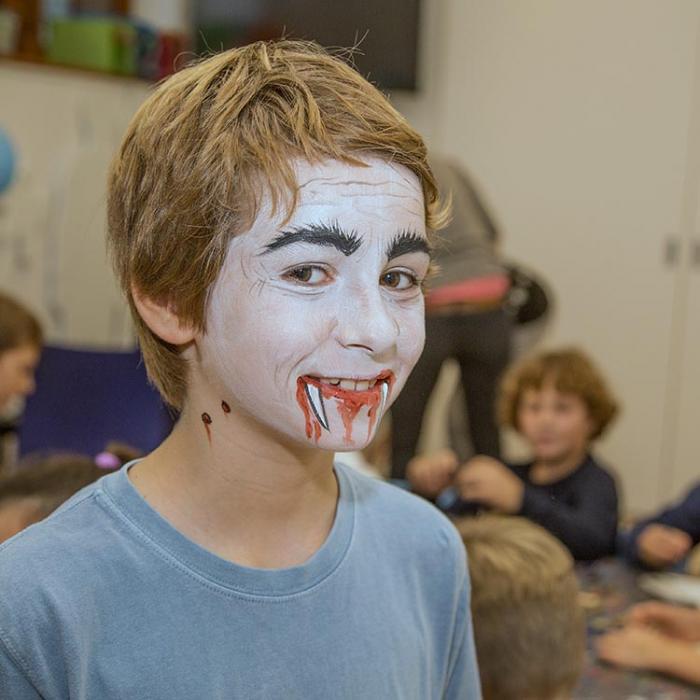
(555, 425)
(17, 367)
(314, 324)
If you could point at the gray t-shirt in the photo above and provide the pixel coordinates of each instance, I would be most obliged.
(467, 246)
(106, 600)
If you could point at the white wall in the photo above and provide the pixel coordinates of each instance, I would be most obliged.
(576, 118)
(65, 126)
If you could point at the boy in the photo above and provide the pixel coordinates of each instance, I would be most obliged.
(528, 625)
(21, 338)
(559, 403)
(267, 220)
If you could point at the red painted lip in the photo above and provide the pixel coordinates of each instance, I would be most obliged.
(335, 390)
(348, 402)
(384, 376)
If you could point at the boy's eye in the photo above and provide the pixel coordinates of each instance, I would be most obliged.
(308, 274)
(399, 279)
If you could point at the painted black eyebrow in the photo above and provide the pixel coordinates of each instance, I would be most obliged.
(318, 234)
(407, 242)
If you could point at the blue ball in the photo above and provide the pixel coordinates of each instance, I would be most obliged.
(7, 161)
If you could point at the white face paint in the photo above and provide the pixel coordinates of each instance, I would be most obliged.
(315, 324)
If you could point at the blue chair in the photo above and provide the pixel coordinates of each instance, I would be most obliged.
(86, 398)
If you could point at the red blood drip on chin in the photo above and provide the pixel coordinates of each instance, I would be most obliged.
(372, 418)
(206, 419)
(349, 404)
(313, 428)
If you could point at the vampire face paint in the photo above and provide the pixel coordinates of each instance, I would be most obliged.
(315, 323)
(312, 394)
(206, 421)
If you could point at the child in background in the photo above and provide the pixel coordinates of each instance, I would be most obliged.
(560, 404)
(20, 347)
(528, 626)
(21, 339)
(269, 218)
(666, 538)
(656, 637)
(39, 487)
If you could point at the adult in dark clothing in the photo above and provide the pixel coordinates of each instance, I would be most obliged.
(466, 320)
(560, 404)
(666, 538)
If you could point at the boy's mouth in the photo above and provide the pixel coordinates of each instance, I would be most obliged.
(358, 391)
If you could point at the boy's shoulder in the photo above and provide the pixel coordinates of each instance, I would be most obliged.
(375, 494)
(401, 520)
(55, 551)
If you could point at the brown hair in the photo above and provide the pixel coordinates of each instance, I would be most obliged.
(18, 326)
(571, 372)
(528, 626)
(203, 149)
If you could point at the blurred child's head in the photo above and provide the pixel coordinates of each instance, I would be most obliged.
(213, 145)
(20, 346)
(528, 626)
(40, 486)
(558, 401)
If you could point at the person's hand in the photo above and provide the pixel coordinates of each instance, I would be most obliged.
(431, 474)
(661, 546)
(671, 620)
(638, 647)
(486, 480)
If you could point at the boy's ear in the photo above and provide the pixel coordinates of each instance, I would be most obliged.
(162, 319)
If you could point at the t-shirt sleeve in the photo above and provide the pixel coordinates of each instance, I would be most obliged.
(463, 675)
(13, 682)
(683, 516)
(589, 528)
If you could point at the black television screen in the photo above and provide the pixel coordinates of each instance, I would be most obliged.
(387, 30)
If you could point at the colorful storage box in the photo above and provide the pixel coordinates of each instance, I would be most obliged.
(100, 43)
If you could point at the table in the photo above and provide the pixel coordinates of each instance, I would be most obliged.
(615, 583)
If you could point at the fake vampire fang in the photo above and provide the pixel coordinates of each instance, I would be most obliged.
(313, 394)
(385, 395)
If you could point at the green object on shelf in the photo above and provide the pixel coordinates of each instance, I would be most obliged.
(99, 43)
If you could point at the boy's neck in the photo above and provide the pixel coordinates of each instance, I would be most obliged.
(244, 496)
(548, 472)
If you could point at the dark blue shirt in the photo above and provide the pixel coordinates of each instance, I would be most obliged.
(684, 516)
(580, 509)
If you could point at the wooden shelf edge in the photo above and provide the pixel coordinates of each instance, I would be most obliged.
(40, 61)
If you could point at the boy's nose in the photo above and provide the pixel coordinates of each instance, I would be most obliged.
(366, 322)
